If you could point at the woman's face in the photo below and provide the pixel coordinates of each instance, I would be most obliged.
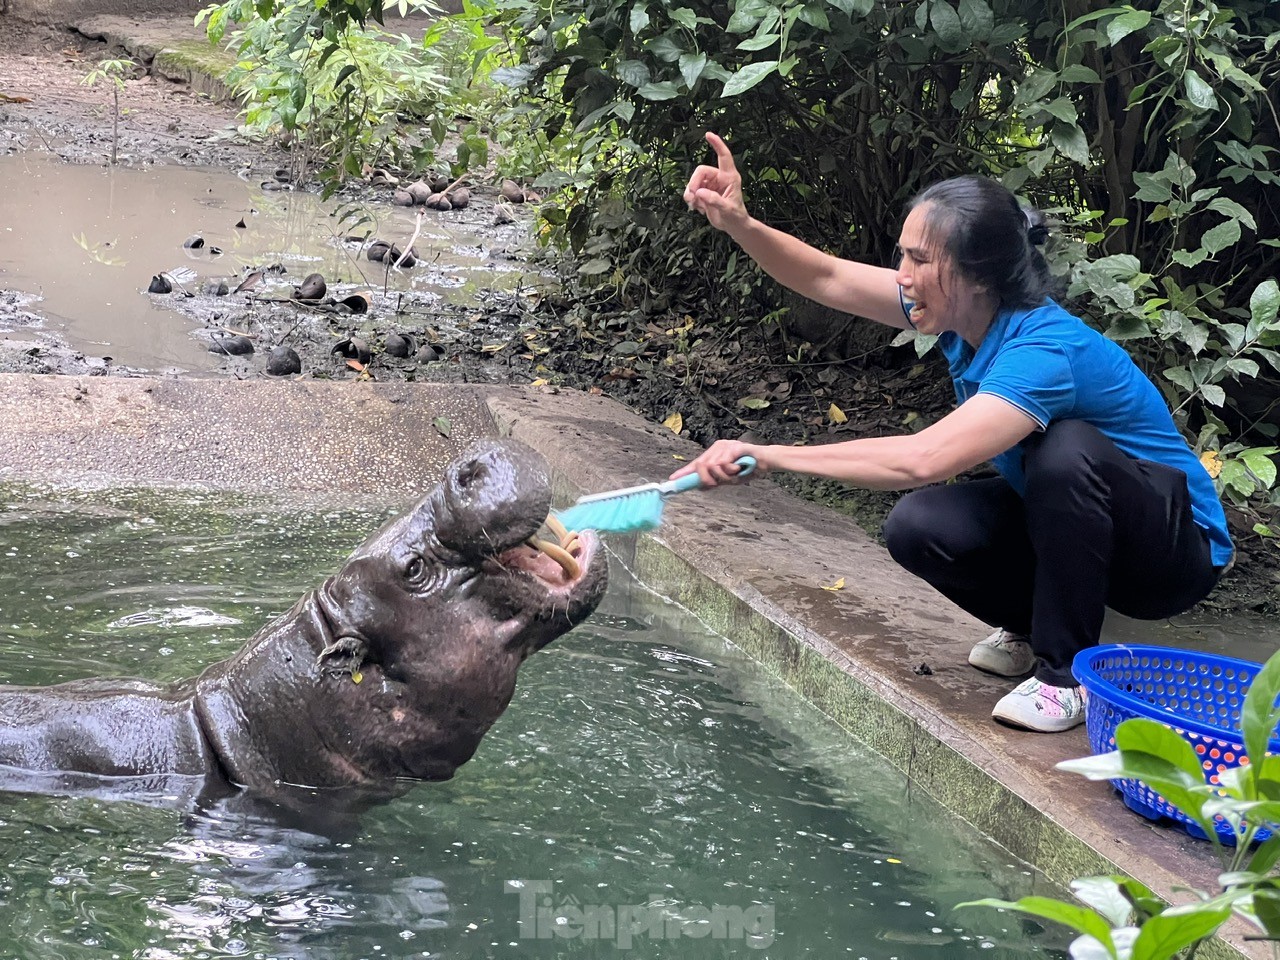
(943, 300)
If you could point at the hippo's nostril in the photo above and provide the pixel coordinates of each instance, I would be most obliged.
(470, 472)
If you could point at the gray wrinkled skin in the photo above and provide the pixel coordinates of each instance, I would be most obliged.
(433, 615)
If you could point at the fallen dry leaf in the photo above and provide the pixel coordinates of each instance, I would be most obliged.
(674, 423)
(1212, 461)
(836, 415)
(838, 585)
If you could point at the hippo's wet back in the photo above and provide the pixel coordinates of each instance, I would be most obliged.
(393, 669)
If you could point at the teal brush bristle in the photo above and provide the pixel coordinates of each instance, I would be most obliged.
(625, 514)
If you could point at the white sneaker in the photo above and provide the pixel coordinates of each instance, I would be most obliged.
(1004, 654)
(1038, 706)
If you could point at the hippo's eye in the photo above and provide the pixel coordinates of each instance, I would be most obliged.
(415, 569)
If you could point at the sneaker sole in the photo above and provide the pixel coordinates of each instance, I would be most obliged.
(1041, 724)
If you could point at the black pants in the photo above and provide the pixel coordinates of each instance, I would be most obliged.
(1095, 529)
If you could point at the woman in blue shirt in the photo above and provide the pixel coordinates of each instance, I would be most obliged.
(1099, 501)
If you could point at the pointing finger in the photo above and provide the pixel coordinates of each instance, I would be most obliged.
(724, 159)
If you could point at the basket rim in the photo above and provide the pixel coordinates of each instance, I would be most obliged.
(1083, 670)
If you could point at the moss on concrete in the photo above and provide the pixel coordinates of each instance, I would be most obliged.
(201, 65)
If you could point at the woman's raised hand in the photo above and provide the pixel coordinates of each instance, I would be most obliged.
(716, 192)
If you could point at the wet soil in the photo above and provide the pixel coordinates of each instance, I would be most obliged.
(705, 381)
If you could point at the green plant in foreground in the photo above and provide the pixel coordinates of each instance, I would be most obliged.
(1122, 919)
(114, 71)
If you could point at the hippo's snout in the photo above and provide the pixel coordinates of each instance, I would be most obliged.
(494, 497)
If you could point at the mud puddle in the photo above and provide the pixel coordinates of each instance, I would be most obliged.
(79, 246)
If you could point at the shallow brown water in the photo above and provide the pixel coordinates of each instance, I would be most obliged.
(87, 241)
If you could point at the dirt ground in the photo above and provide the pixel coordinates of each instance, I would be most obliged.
(671, 366)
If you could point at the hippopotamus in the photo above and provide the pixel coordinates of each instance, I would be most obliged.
(391, 671)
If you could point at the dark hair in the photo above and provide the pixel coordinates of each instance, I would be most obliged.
(989, 237)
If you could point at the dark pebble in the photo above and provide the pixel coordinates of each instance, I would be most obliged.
(427, 354)
(283, 361)
(160, 284)
(236, 346)
(397, 345)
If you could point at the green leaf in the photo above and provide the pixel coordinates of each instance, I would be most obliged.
(1258, 715)
(1104, 895)
(1070, 139)
(1199, 93)
(1125, 24)
(685, 17)
(1149, 737)
(634, 73)
(1165, 935)
(1266, 907)
(746, 78)
(1262, 466)
(665, 48)
(1079, 73)
(815, 16)
(666, 90)
(1077, 918)
(639, 17)
(1214, 394)
(1063, 109)
(946, 24)
(691, 67)
(752, 44)
(976, 19)
(1222, 236)
(1264, 303)
(443, 425)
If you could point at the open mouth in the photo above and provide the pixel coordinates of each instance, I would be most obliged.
(557, 561)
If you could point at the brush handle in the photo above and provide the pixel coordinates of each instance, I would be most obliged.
(691, 481)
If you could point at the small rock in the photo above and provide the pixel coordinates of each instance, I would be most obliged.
(512, 191)
(216, 288)
(419, 191)
(378, 250)
(502, 214)
(311, 288)
(410, 259)
(160, 284)
(402, 198)
(283, 361)
(532, 197)
(436, 181)
(398, 345)
(427, 354)
(353, 348)
(460, 197)
(924, 670)
(235, 346)
(438, 201)
(380, 177)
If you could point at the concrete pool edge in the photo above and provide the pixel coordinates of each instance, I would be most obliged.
(1000, 781)
(758, 565)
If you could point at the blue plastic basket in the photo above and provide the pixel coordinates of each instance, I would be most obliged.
(1200, 695)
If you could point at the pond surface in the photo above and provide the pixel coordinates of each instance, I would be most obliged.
(648, 784)
(86, 240)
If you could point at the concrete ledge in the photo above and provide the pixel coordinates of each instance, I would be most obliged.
(171, 47)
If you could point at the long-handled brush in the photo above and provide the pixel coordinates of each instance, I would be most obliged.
(633, 508)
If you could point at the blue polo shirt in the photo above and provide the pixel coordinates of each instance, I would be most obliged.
(1052, 366)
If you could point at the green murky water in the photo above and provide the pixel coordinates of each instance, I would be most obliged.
(650, 792)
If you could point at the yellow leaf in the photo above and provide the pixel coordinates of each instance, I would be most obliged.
(892, 860)
(676, 456)
(356, 676)
(1212, 461)
(836, 415)
(492, 347)
(674, 423)
(838, 585)
(540, 382)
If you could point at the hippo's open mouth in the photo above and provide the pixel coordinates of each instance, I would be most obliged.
(558, 563)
